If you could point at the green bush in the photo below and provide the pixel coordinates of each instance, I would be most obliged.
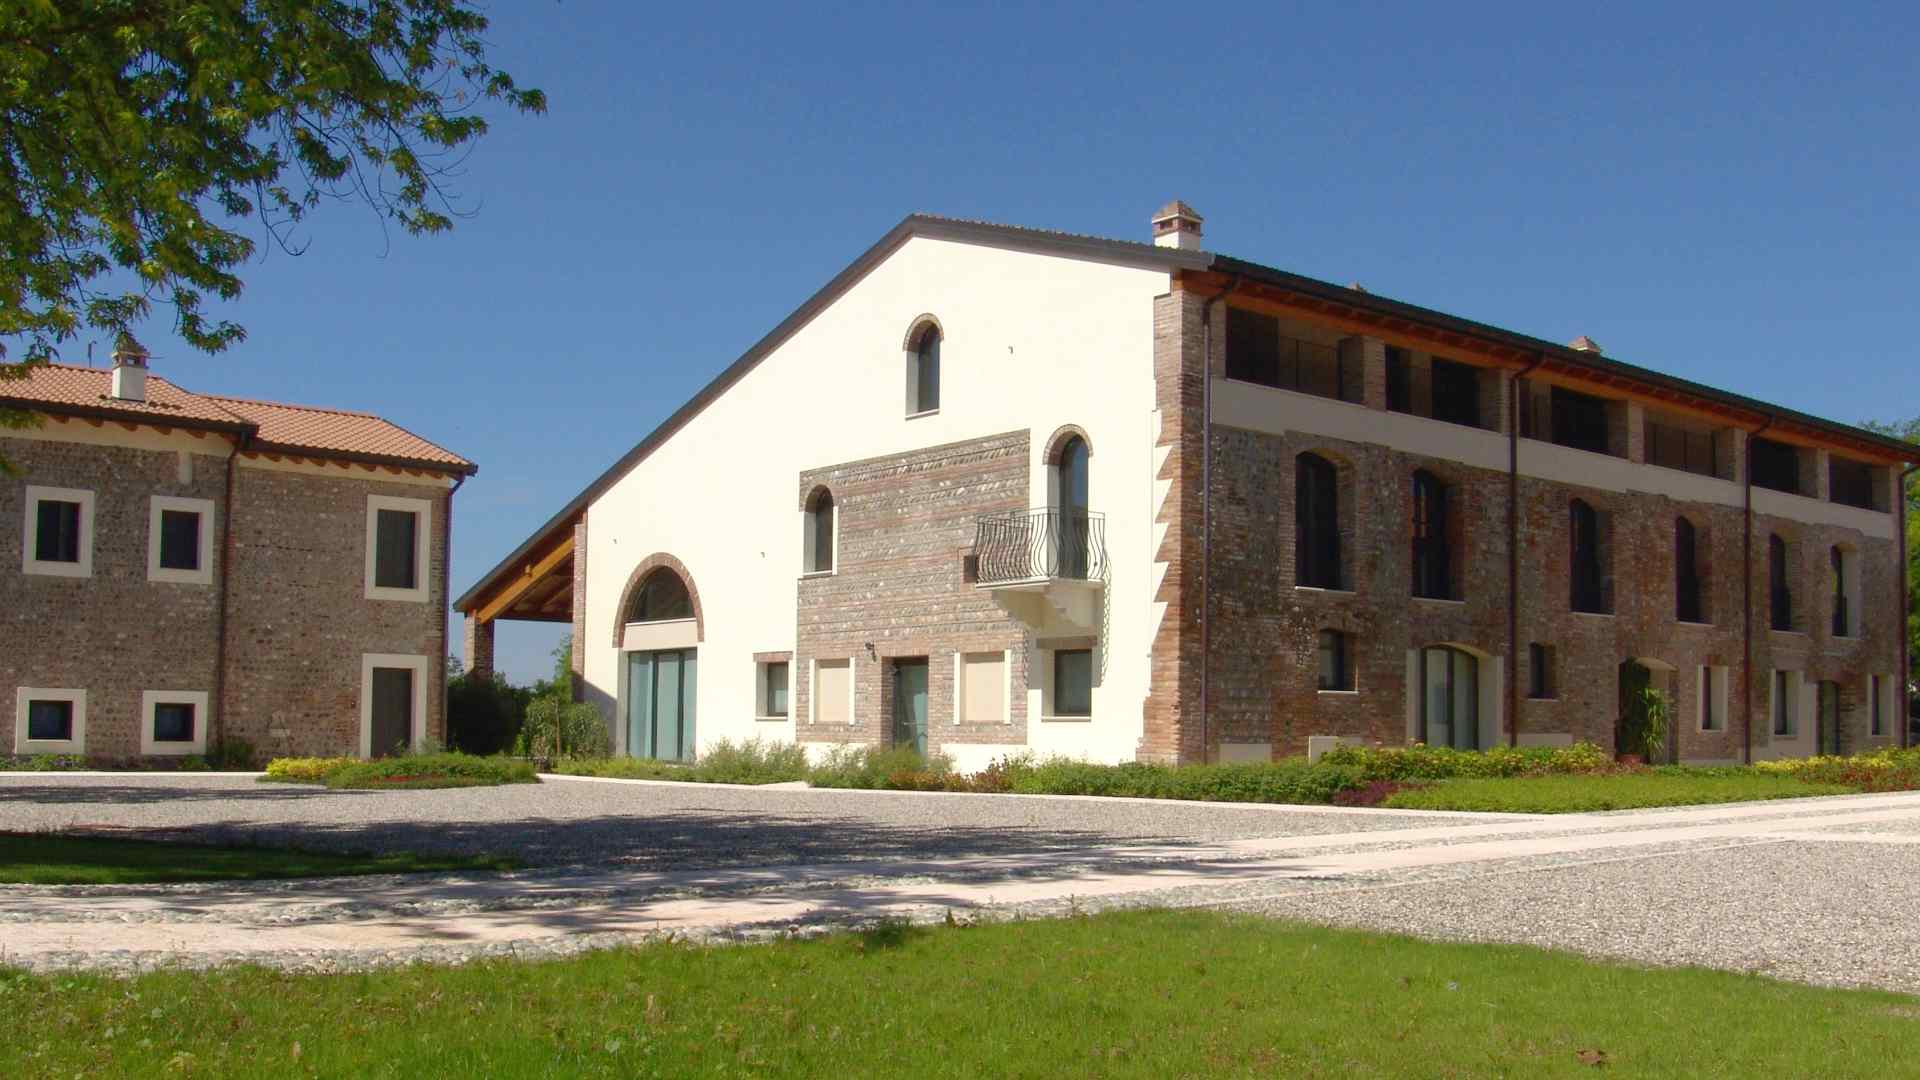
(558, 729)
(438, 770)
(305, 770)
(894, 767)
(1419, 762)
(231, 752)
(484, 713)
(1572, 794)
(1292, 781)
(752, 761)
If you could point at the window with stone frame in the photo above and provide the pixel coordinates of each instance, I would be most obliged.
(1073, 682)
(49, 721)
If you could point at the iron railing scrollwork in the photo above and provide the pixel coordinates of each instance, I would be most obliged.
(1034, 545)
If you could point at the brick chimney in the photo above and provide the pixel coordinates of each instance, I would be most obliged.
(129, 370)
(1177, 225)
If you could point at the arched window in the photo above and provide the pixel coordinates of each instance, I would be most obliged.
(923, 372)
(1449, 698)
(1779, 584)
(1070, 489)
(1591, 584)
(1432, 562)
(1316, 517)
(662, 597)
(822, 525)
(1686, 571)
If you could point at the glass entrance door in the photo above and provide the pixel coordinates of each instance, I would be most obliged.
(1450, 698)
(660, 704)
(910, 705)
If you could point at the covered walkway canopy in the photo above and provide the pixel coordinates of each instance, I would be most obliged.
(534, 584)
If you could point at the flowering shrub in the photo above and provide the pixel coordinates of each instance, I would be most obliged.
(305, 770)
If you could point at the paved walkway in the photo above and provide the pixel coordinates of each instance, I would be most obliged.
(1817, 890)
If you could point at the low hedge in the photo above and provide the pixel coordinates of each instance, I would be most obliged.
(753, 761)
(1290, 781)
(1420, 762)
(305, 770)
(428, 770)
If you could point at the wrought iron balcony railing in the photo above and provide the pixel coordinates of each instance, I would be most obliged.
(1040, 545)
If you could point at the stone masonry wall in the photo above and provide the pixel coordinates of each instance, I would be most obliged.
(907, 523)
(300, 620)
(114, 634)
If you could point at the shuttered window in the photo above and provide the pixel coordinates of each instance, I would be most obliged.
(833, 682)
(394, 556)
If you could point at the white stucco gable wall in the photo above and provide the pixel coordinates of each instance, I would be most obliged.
(1032, 342)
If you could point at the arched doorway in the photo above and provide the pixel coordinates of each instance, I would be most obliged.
(661, 668)
(1449, 697)
(1644, 726)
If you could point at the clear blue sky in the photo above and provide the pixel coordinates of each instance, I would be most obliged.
(1725, 192)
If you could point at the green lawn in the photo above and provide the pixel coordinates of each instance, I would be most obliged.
(1149, 994)
(1579, 793)
(53, 859)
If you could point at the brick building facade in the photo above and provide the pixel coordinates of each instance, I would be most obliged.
(185, 570)
(1286, 513)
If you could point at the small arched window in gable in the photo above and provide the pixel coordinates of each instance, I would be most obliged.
(662, 597)
(923, 370)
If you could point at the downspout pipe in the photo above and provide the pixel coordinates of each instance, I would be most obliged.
(1513, 547)
(1906, 611)
(218, 724)
(1206, 508)
(1746, 591)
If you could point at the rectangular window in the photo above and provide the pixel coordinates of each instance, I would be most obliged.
(57, 531)
(773, 699)
(1713, 698)
(1579, 420)
(1336, 660)
(1258, 353)
(179, 540)
(1456, 392)
(50, 721)
(832, 689)
(1852, 483)
(1674, 447)
(393, 566)
(1399, 381)
(173, 722)
(1253, 347)
(1774, 465)
(1540, 673)
(1786, 711)
(1073, 682)
(1877, 703)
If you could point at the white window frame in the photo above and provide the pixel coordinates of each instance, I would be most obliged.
(1047, 690)
(1711, 689)
(761, 711)
(75, 745)
(160, 504)
(422, 546)
(369, 661)
(151, 700)
(34, 497)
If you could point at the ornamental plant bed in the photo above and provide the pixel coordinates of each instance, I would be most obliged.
(416, 771)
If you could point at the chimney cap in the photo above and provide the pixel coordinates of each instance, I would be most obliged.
(128, 350)
(1583, 343)
(1177, 209)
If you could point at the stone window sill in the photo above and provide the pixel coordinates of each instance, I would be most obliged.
(1438, 600)
(1066, 719)
(1593, 614)
(1338, 693)
(1323, 589)
(773, 719)
(1789, 633)
(918, 415)
(1693, 622)
(818, 574)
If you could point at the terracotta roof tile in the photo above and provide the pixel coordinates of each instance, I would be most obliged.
(91, 389)
(337, 431)
(292, 427)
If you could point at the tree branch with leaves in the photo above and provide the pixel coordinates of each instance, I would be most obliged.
(143, 141)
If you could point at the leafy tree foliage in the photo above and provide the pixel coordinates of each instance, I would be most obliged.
(138, 138)
(1910, 431)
